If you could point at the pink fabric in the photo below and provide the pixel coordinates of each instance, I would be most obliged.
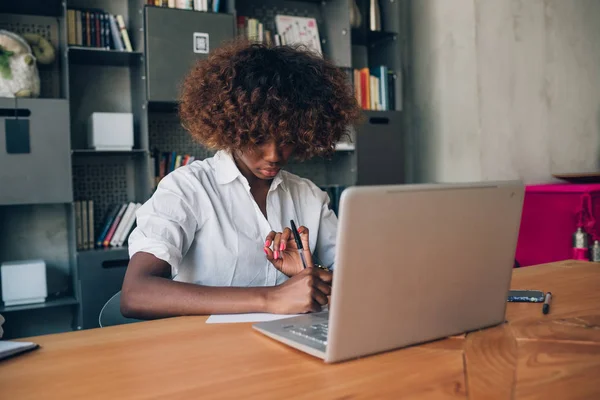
(564, 188)
(551, 214)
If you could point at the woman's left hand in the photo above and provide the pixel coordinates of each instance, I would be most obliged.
(282, 251)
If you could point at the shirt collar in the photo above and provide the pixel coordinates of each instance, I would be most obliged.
(278, 181)
(226, 171)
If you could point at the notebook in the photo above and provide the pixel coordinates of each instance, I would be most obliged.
(9, 349)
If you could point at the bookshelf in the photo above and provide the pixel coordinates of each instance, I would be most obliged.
(97, 77)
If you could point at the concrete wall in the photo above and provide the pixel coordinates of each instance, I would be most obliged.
(503, 89)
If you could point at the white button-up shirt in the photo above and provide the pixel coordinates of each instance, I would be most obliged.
(204, 222)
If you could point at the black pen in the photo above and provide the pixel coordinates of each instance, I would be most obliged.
(546, 306)
(298, 242)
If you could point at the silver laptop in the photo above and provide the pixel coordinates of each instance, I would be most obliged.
(414, 263)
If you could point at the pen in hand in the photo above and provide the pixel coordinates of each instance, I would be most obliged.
(298, 242)
(546, 306)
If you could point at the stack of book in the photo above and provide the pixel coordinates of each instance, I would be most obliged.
(254, 30)
(198, 5)
(290, 30)
(375, 88)
(166, 162)
(92, 27)
(84, 221)
(115, 230)
(117, 225)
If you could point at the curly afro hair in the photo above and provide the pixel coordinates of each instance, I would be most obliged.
(245, 94)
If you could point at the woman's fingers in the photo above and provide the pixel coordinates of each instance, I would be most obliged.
(270, 238)
(323, 287)
(277, 245)
(320, 289)
(268, 243)
(277, 242)
(285, 236)
(303, 231)
(269, 253)
(319, 297)
(325, 276)
(315, 306)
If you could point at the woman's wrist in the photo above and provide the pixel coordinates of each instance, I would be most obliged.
(263, 295)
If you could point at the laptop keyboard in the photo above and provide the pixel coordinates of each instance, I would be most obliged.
(316, 332)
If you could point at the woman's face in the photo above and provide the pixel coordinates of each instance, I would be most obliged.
(266, 160)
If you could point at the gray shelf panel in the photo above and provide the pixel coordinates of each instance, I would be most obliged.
(112, 251)
(98, 56)
(51, 302)
(50, 8)
(41, 158)
(380, 150)
(101, 273)
(173, 46)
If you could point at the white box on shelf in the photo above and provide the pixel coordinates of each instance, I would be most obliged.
(110, 131)
(23, 282)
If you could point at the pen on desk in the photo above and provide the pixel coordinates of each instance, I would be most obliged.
(298, 242)
(546, 306)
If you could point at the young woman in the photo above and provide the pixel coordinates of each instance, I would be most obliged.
(215, 236)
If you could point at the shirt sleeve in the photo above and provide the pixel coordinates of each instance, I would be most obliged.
(326, 238)
(167, 222)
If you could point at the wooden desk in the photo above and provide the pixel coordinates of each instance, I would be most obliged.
(533, 356)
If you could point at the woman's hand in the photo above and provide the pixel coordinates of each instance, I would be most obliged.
(282, 251)
(305, 292)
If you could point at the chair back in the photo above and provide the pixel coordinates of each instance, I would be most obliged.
(110, 314)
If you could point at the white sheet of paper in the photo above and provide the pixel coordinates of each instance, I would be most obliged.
(252, 317)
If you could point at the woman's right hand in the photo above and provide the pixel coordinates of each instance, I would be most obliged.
(305, 292)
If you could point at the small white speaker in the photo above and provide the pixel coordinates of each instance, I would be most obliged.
(110, 131)
(23, 282)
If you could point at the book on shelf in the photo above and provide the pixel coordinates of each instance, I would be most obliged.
(96, 28)
(375, 88)
(289, 30)
(167, 161)
(197, 5)
(117, 225)
(115, 229)
(84, 224)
